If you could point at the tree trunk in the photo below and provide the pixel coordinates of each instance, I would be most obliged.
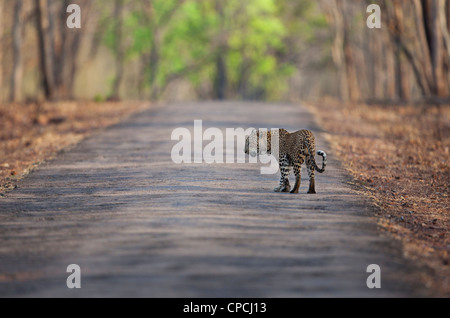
(354, 91)
(153, 64)
(220, 81)
(434, 37)
(444, 21)
(424, 35)
(354, 88)
(48, 25)
(437, 50)
(400, 79)
(1, 50)
(60, 41)
(68, 84)
(336, 18)
(16, 77)
(445, 27)
(118, 7)
(42, 52)
(376, 47)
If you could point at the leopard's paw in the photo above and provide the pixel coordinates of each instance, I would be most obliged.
(277, 189)
(287, 188)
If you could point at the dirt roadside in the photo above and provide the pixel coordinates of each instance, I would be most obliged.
(399, 157)
(33, 133)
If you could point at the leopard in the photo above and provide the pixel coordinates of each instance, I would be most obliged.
(294, 149)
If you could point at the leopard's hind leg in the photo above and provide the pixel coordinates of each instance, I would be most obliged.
(297, 171)
(310, 169)
(284, 179)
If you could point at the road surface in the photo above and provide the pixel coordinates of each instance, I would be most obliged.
(139, 225)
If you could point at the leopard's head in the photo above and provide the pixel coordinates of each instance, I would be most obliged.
(256, 145)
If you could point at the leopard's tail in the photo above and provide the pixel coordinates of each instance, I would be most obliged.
(324, 161)
(320, 153)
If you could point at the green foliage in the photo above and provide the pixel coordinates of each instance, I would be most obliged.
(183, 39)
(99, 98)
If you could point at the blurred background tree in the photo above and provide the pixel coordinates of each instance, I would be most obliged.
(210, 49)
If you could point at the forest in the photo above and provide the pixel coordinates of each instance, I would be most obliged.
(371, 78)
(209, 49)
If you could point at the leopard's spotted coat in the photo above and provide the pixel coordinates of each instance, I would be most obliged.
(294, 149)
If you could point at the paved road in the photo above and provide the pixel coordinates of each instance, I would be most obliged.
(139, 225)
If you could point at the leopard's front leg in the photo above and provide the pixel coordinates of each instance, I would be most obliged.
(284, 179)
